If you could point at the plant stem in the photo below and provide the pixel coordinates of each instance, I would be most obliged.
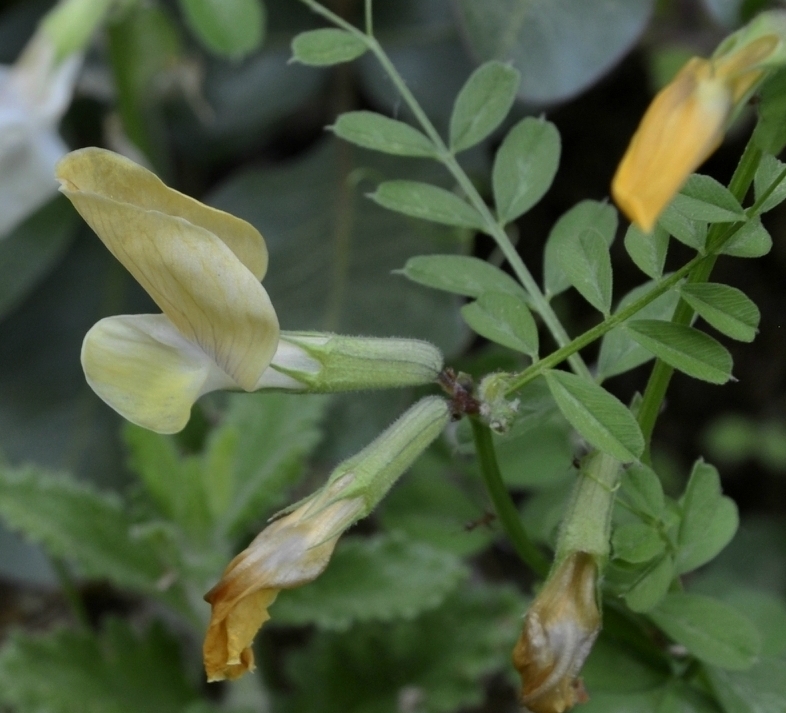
(369, 19)
(506, 511)
(446, 157)
(70, 592)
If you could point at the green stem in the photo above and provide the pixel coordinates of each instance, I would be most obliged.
(506, 511)
(661, 374)
(446, 157)
(369, 19)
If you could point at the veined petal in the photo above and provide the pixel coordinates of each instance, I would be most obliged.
(144, 369)
(681, 128)
(190, 273)
(105, 173)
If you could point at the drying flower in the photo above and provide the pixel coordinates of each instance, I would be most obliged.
(295, 549)
(686, 121)
(559, 630)
(218, 329)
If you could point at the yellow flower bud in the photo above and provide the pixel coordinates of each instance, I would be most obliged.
(559, 630)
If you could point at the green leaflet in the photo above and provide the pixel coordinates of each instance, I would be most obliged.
(380, 579)
(647, 250)
(503, 319)
(115, 670)
(636, 542)
(685, 348)
(641, 488)
(651, 585)
(427, 202)
(524, 167)
(711, 630)
(327, 46)
(482, 104)
(460, 274)
(379, 133)
(751, 240)
(726, 308)
(231, 28)
(769, 170)
(704, 199)
(585, 215)
(760, 689)
(598, 416)
(586, 262)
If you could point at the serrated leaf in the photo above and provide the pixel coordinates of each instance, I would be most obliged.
(637, 542)
(711, 630)
(74, 521)
(524, 167)
(327, 46)
(651, 585)
(583, 216)
(586, 262)
(440, 658)
(692, 233)
(704, 199)
(482, 104)
(642, 489)
(381, 579)
(427, 202)
(726, 308)
(760, 689)
(114, 671)
(598, 416)
(709, 519)
(768, 172)
(693, 352)
(231, 28)
(380, 133)
(647, 250)
(33, 249)
(618, 351)
(461, 275)
(751, 240)
(503, 319)
(560, 46)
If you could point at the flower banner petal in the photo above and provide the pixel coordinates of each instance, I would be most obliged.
(144, 369)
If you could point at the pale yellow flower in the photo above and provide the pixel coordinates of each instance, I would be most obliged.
(201, 266)
(683, 125)
(559, 629)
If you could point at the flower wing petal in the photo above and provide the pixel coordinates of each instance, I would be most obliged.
(194, 278)
(94, 170)
(144, 369)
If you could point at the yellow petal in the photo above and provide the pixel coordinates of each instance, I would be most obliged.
(94, 170)
(196, 280)
(147, 372)
(680, 129)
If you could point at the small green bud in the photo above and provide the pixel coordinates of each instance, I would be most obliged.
(496, 409)
(327, 363)
(71, 23)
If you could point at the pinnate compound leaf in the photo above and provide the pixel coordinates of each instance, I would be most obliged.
(647, 250)
(709, 519)
(422, 200)
(751, 240)
(693, 352)
(642, 489)
(482, 104)
(379, 579)
(651, 586)
(602, 419)
(74, 521)
(461, 275)
(441, 657)
(726, 308)
(618, 351)
(583, 216)
(586, 262)
(637, 542)
(503, 319)
(380, 133)
(327, 46)
(704, 199)
(231, 28)
(524, 167)
(712, 631)
(760, 689)
(113, 671)
(768, 172)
